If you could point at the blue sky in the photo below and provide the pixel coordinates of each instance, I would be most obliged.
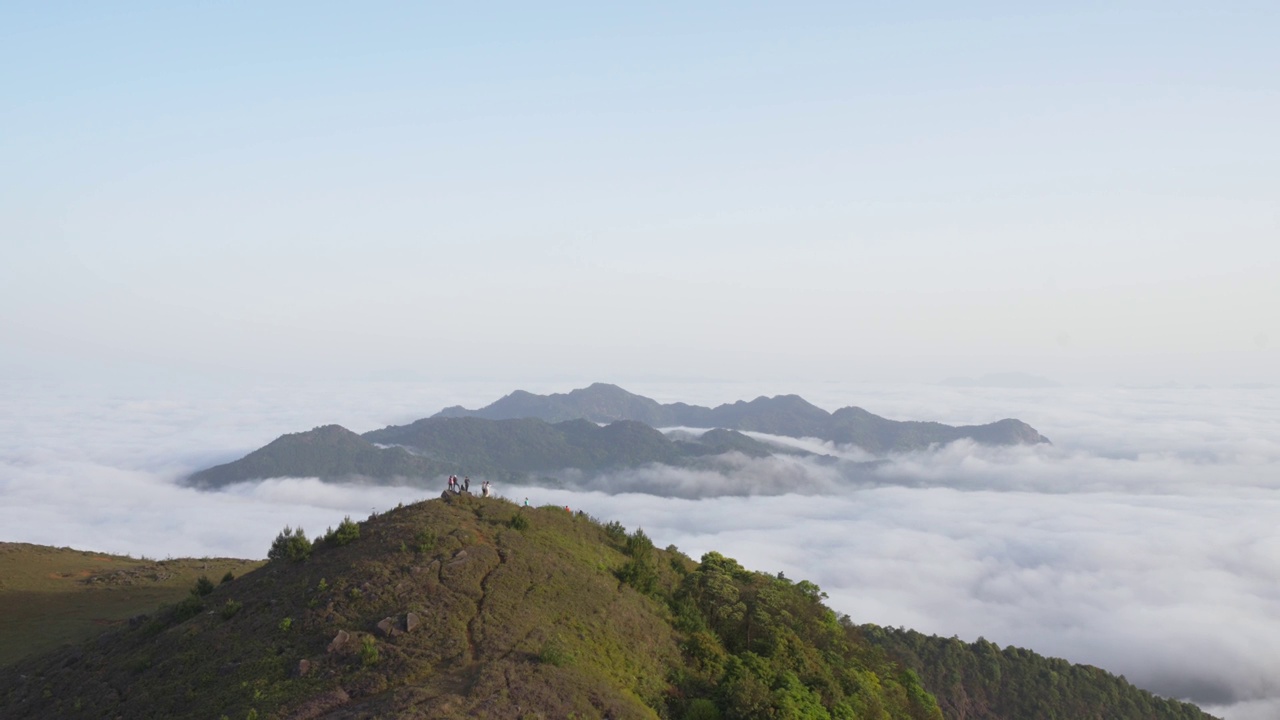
(840, 191)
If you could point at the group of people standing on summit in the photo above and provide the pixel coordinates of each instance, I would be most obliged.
(465, 485)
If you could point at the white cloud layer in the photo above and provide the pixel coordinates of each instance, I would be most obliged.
(1142, 541)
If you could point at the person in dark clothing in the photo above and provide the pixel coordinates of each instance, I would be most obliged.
(466, 484)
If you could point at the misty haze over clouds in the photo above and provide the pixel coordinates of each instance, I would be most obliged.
(1141, 541)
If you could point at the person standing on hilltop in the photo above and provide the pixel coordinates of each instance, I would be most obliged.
(466, 484)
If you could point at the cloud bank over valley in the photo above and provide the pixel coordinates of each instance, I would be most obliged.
(1141, 541)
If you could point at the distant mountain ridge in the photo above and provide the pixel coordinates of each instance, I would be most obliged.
(590, 431)
(787, 415)
(494, 449)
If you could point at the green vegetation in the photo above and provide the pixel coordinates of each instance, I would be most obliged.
(970, 679)
(563, 618)
(424, 541)
(348, 531)
(52, 596)
(556, 652)
(369, 651)
(230, 608)
(290, 544)
(640, 570)
(203, 586)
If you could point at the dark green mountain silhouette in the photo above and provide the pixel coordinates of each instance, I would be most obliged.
(788, 415)
(474, 608)
(495, 449)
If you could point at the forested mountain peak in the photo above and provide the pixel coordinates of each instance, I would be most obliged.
(472, 607)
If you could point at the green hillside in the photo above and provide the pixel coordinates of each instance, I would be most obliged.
(477, 608)
(50, 596)
(979, 681)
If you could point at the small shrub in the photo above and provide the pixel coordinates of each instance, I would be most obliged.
(354, 593)
(368, 652)
(286, 624)
(229, 609)
(615, 531)
(424, 541)
(556, 652)
(203, 587)
(348, 531)
(227, 578)
(640, 572)
(638, 544)
(290, 544)
(322, 585)
(188, 608)
(702, 709)
(518, 522)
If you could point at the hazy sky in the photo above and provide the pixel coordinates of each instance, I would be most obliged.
(602, 191)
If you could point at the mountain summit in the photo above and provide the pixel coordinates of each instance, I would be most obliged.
(477, 608)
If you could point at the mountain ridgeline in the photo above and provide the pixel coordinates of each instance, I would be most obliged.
(494, 449)
(470, 607)
(787, 415)
(526, 436)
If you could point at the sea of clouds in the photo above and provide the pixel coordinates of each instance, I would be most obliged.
(1143, 540)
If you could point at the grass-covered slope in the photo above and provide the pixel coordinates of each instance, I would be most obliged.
(979, 681)
(51, 596)
(477, 608)
(789, 415)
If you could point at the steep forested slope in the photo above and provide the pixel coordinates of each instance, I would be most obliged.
(979, 681)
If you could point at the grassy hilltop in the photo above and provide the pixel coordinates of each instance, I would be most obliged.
(472, 607)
